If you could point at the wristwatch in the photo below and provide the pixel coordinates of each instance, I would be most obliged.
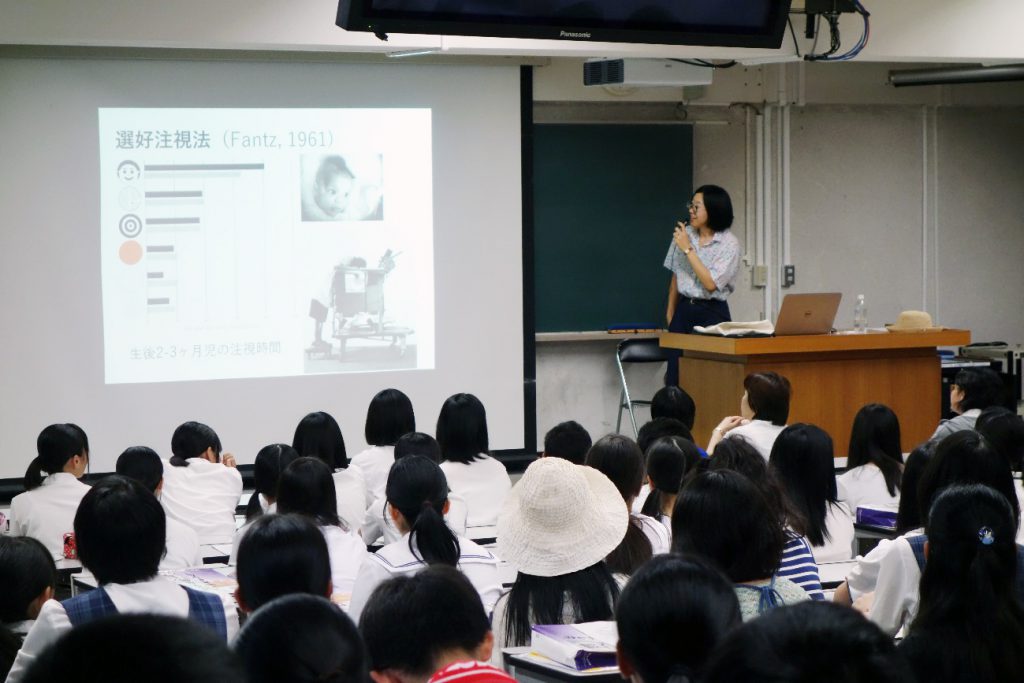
(686, 252)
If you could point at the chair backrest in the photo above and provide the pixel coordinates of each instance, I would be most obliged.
(641, 351)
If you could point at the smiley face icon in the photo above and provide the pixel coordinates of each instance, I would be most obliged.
(128, 171)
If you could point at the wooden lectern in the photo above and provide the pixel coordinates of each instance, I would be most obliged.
(832, 377)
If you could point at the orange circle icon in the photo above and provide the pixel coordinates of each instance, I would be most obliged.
(130, 252)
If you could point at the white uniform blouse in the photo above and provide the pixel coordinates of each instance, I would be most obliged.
(375, 462)
(48, 512)
(182, 547)
(483, 483)
(348, 554)
(839, 546)
(204, 496)
(864, 486)
(760, 433)
(353, 497)
(475, 562)
(377, 524)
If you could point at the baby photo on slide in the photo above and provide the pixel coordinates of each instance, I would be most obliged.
(337, 187)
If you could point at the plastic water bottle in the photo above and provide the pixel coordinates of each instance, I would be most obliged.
(860, 316)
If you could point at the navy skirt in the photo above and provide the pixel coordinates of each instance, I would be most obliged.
(689, 313)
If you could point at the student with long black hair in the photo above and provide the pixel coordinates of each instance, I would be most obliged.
(723, 517)
(142, 464)
(894, 573)
(619, 458)
(803, 464)
(29, 578)
(319, 436)
(1004, 429)
(669, 460)
(46, 510)
(471, 472)
(797, 564)
(201, 487)
(874, 461)
(388, 417)
(908, 517)
(970, 623)
(417, 499)
(266, 470)
(306, 487)
(559, 523)
(671, 616)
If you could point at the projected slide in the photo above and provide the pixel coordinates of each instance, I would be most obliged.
(265, 242)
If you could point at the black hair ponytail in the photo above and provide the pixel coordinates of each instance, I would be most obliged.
(55, 445)
(419, 490)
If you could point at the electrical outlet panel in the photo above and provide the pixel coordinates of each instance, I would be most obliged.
(788, 276)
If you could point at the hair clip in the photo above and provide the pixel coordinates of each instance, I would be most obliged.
(986, 536)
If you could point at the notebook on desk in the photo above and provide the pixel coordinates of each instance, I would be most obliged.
(807, 314)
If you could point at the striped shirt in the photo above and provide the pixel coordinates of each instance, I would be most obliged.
(798, 566)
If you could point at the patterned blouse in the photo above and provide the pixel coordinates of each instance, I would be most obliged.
(721, 256)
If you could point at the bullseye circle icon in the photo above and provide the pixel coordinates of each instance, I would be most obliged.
(130, 225)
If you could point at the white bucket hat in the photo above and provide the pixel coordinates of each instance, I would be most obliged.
(560, 518)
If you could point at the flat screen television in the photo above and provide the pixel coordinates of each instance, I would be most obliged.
(727, 23)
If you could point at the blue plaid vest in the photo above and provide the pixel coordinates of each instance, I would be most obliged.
(206, 608)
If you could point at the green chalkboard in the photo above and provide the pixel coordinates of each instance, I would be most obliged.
(606, 198)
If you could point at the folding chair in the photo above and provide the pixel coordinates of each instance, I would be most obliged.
(635, 351)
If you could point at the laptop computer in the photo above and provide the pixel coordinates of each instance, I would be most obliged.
(807, 314)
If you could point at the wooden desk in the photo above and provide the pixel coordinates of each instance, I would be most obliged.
(832, 377)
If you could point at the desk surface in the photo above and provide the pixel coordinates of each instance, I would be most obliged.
(817, 343)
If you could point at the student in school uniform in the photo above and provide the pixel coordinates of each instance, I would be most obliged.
(798, 564)
(389, 416)
(120, 529)
(804, 465)
(306, 487)
(46, 510)
(429, 627)
(764, 410)
(319, 436)
(274, 645)
(144, 466)
(619, 458)
(973, 390)
(884, 583)
(669, 460)
(266, 471)
(282, 555)
(471, 473)
(559, 523)
(29, 578)
(671, 615)
(659, 428)
(378, 527)
(970, 623)
(874, 461)
(201, 488)
(722, 516)
(417, 497)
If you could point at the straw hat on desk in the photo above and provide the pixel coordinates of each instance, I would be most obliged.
(913, 321)
(560, 518)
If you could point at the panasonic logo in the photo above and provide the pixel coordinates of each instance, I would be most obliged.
(573, 34)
